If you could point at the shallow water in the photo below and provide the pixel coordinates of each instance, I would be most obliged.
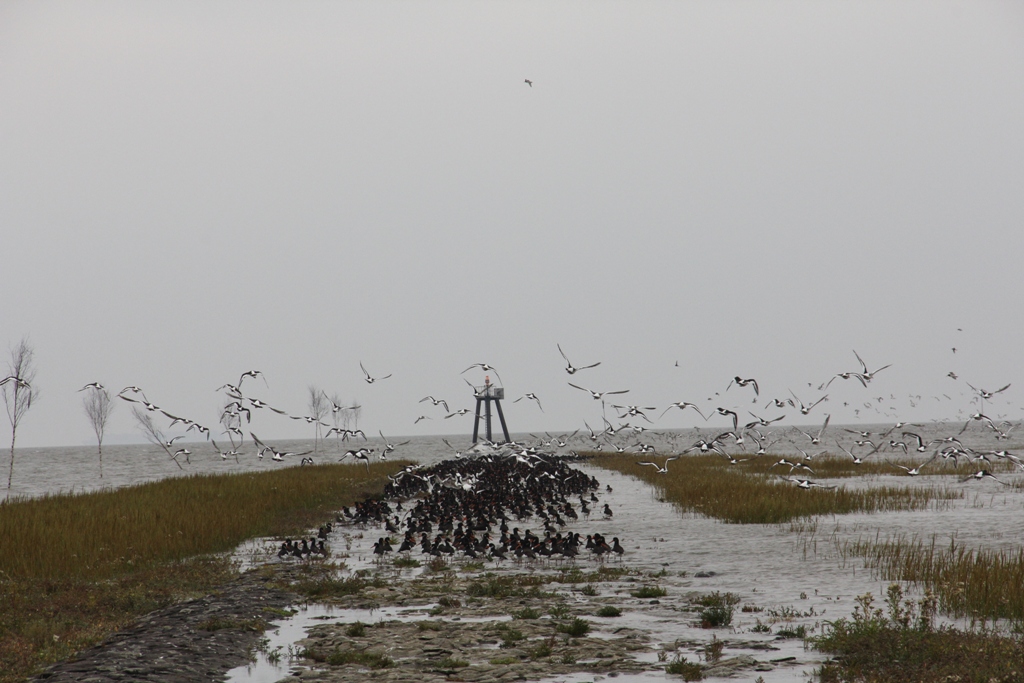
(41, 471)
(794, 578)
(284, 633)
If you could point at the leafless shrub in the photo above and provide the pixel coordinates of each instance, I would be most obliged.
(98, 408)
(18, 392)
(317, 410)
(145, 423)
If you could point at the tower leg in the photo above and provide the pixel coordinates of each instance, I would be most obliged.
(487, 408)
(501, 416)
(476, 422)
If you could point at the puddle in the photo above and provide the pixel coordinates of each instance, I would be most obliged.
(274, 660)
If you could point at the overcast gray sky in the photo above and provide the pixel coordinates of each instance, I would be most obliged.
(191, 190)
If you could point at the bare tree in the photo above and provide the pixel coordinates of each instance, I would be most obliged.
(232, 423)
(98, 408)
(317, 410)
(346, 417)
(337, 416)
(355, 411)
(18, 391)
(152, 434)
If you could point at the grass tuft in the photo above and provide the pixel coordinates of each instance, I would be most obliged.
(690, 671)
(494, 586)
(649, 592)
(717, 609)
(577, 628)
(339, 657)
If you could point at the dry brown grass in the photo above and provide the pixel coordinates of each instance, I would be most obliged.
(978, 584)
(77, 567)
(750, 493)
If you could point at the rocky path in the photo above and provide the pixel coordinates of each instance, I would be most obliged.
(198, 640)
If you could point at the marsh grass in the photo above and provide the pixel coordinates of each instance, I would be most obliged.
(577, 628)
(577, 575)
(713, 650)
(88, 564)
(101, 534)
(904, 645)
(717, 609)
(496, 586)
(406, 562)
(327, 586)
(690, 671)
(978, 584)
(510, 636)
(451, 663)
(339, 657)
(527, 613)
(829, 466)
(749, 494)
(645, 592)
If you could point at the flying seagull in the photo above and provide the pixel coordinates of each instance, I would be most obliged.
(598, 395)
(485, 367)
(368, 378)
(739, 381)
(569, 366)
(533, 397)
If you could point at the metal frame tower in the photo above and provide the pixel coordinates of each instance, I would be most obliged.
(485, 396)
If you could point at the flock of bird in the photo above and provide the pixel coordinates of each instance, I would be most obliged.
(471, 506)
(633, 431)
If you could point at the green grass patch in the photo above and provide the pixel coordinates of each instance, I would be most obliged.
(452, 663)
(510, 636)
(406, 562)
(577, 575)
(331, 587)
(526, 613)
(429, 625)
(609, 611)
(494, 586)
(792, 632)
(339, 657)
(577, 628)
(690, 671)
(750, 493)
(717, 609)
(649, 592)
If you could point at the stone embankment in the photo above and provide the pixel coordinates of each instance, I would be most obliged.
(197, 640)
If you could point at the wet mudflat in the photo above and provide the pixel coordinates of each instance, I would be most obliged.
(497, 621)
(783, 581)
